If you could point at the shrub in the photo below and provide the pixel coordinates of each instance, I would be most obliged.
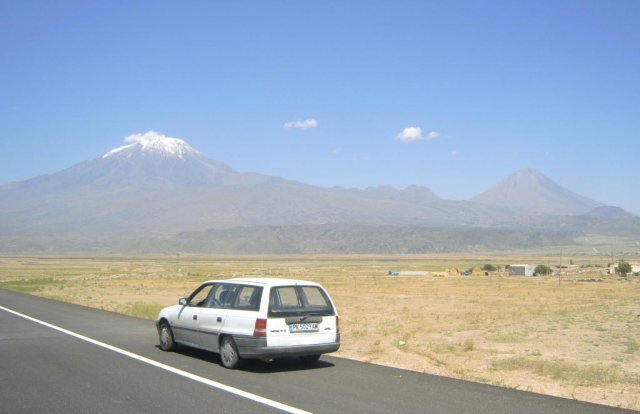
(542, 270)
(624, 268)
(468, 345)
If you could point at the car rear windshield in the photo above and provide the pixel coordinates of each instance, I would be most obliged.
(299, 300)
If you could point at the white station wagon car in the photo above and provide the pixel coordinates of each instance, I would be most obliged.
(253, 318)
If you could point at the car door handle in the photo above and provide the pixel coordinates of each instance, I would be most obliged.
(195, 317)
(219, 319)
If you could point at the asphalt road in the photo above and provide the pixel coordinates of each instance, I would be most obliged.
(46, 370)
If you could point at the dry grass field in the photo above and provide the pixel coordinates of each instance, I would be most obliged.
(564, 336)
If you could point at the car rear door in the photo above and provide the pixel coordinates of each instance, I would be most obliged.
(243, 312)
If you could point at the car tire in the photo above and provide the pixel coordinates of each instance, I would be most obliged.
(165, 335)
(310, 359)
(229, 353)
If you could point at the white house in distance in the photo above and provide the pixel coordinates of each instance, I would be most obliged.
(635, 268)
(521, 270)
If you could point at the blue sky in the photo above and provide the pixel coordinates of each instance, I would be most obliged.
(493, 86)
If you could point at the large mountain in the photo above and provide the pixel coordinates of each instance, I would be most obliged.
(158, 193)
(148, 161)
(160, 185)
(530, 190)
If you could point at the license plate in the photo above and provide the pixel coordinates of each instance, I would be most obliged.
(303, 327)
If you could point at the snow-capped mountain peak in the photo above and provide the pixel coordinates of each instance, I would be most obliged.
(153, 142)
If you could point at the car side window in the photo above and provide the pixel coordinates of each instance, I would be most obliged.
(223, 296)
(248, 298)
(200, 295)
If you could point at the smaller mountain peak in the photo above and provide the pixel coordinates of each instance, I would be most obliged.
(527, 171)
(531, 190)
(153, 142)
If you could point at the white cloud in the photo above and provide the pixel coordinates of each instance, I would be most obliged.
(307, 123)
(415, 134)
(434, 135)
(410, 134)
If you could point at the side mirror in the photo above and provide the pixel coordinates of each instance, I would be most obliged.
(182, 301)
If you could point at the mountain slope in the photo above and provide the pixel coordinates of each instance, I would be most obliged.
(530, 190)
(609, 212)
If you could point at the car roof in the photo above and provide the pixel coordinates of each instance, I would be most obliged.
(260, 281)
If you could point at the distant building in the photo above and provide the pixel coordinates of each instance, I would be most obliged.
(407, 273)
(635, 268)
(521, 270)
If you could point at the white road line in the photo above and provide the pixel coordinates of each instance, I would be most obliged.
(206, 381)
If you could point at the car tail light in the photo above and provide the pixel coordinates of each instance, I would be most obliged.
(337, 324)
(260, 328)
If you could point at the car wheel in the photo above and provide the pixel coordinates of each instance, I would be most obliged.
(229, 353)
(166, 337)
(310, 359)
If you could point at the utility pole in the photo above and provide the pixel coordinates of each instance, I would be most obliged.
(560, 272)
(178, 263)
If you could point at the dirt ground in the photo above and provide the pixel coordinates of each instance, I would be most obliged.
(574, 336)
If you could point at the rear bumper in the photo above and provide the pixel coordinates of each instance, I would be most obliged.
(250, 347)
